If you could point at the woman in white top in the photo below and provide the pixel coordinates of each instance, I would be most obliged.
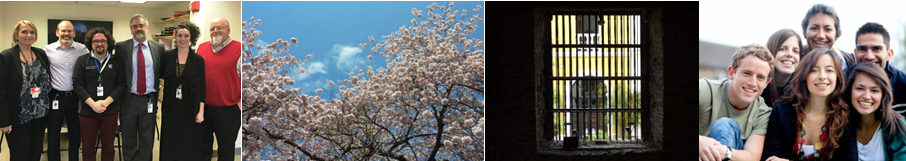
(880, 130)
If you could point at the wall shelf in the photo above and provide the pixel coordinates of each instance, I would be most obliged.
(174, 19)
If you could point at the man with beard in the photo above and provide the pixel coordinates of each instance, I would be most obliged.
(221, 57)
(873, 46)
(99, 81)
(65, 104)
(138, 109)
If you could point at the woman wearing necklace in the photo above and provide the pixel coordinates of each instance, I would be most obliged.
(25, 82)
(881, 131)
(183, 106)
(810, 123)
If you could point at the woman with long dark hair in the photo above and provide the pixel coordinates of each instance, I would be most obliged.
(880, 130)
(810, 123)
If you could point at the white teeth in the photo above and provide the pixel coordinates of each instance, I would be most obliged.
(749, 90)
(787, 63)
(865, 103)
(822, 85)
(821, 43)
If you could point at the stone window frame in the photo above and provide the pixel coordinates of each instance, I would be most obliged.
(652, 88)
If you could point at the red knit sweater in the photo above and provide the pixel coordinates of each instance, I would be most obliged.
(223, 83)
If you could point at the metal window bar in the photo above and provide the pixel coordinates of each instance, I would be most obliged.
(596, 76)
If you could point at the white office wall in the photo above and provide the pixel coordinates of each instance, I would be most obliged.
(38, 13)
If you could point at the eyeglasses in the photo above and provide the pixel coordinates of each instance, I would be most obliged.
(99, 41)
(218, 28)
(138, 26)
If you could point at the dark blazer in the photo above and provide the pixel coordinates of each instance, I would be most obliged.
(124, 51)
(193, 73)
(897, 84)
(781, 136)
(11, 82)
(84, 82)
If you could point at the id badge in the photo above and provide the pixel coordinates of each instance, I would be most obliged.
(56, 104)
(179, 94)
(150, 107)
(100, 91)
(35, 91)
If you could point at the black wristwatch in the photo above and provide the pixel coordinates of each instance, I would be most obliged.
(729, 153)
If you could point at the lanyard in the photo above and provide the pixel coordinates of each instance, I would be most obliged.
(101, 68)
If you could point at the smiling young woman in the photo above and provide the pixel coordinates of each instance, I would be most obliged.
(810, 122)
(785, 44)
(881, 132)
(821, 27)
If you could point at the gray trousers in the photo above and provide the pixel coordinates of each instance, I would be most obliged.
(138, 128)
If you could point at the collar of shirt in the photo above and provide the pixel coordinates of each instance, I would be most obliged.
(135, 43)
(101, 59)
(222, 45)
(59, 45)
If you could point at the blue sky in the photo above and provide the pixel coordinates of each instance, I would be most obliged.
(332, 32)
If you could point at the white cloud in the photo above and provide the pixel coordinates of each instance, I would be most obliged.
(317, 67)
(312, 85)
(347, 56)
(313, 68)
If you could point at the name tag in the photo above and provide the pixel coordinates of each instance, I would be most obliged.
(35, 91)
(56, 104)
(179, 92)
(150, 107)
(100, 91)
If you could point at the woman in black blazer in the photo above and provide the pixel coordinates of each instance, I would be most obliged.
(810, 123)
(24, 87)
(183, 97)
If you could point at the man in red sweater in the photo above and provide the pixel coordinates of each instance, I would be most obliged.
(221, 57)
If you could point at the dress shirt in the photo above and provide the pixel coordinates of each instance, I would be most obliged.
(62, 61)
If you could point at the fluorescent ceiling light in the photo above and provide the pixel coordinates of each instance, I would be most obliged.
(132, 1)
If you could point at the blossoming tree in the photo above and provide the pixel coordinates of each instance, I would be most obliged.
(427, 103)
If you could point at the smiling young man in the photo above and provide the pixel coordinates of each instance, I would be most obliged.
(733, 118)
(872, 46)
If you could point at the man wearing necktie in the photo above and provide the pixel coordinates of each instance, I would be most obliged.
(137, 114)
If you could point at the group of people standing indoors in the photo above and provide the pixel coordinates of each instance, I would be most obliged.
(105, 86)
(795, 100)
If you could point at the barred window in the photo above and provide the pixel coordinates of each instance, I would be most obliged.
(596, 79)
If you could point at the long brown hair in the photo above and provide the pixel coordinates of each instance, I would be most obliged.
(799, 99)
(774, 43)
(885, 113)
